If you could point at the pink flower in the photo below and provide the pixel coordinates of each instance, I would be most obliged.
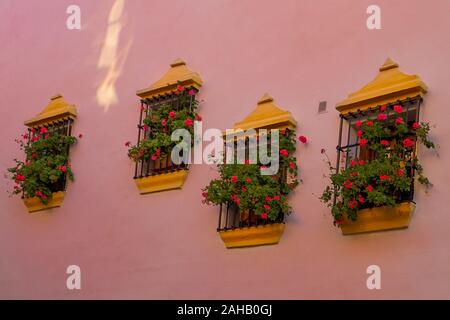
(363, 142)
(268, 199)
(163, 122)
(398, 108)
(408, 143)
(154, 157)
(382, 117)
(416, 125)
(264, 216)
(188, 122)
(234, 179)
(191, 92)
(247, 161)
(171, 115)
(303, 139)
(266, 206)
(369, 123)
(384, 143)
(360, 133)
(399, 120)
(276, 198)
(198, 117)
(358, 123)
(284, 152)
(385, 177)
(44, 130)
(369, 188)
(348, 184)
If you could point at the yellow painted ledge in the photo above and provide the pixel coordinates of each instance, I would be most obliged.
(252, 236)
(162, 182)
(380, 219)
(58, 109)
(34, 204)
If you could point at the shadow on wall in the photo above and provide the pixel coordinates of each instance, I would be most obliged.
(111, 58)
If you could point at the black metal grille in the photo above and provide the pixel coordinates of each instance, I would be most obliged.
(352, 150)
(145, 168)
(231, 217)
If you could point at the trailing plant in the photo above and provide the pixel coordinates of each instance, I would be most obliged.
(46, 166)
(243, 185)
(387, 177)
(159, 123)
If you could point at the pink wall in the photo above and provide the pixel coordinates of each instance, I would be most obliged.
(165, 245)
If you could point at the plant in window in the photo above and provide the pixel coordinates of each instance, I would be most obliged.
(46, 166)
(159, 123)
(387, 178)
(247, 189)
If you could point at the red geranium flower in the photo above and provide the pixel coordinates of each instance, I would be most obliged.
(264, 216)
(180, 88)
(383, 108)
(266, 206)
(34, 139)
(382, 117)
(358, 123)
(348, 184)
(62, 168)
(234, 179)
(369, 123)
(248, 180)
(384, 177)
(146, 127)
(384, 143)
(416, 125)
(198, 117)
(363, 142)
(369, 188)
(292, 165)
(268, 199)
(302, 139)
(163, 122)
(172, 115)
(284, 152)
(44, 130)
(408, 143)
(361, 199)
(80, 136)
(20, 177)
(204, 194)
(127, 144)
(191, 92)
(399, 120)
(352, 204)
(276, 198)
(400, 172)
(188, 122)
(353, 163)
(398, 108)
(360, 133)
(362, 162)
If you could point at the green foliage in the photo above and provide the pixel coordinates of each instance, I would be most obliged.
(46, 165)
(244, 186)
(161, 122)
(383, 180)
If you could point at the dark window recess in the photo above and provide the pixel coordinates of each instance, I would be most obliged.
(348, 142)
(150, 167)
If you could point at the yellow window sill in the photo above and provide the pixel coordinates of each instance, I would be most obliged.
(162, 182)
(252, 236)
(34, 204)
